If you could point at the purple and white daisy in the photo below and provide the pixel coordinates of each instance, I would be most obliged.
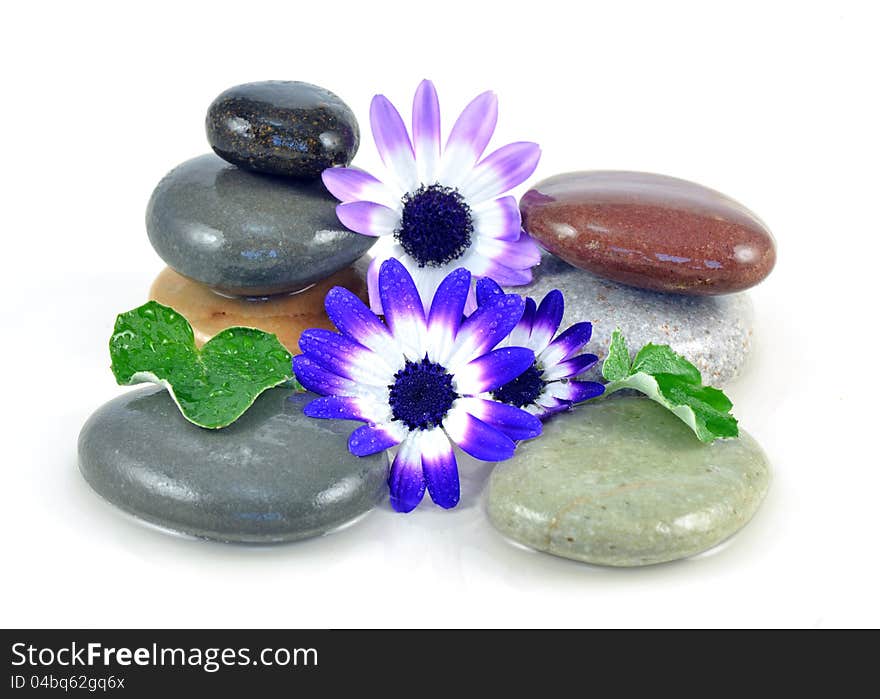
(440, 208)
(549, 385)
(418, 380)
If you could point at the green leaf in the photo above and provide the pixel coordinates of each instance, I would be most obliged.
(213, 386)
(660, 359)
(616, 365)
(675, 383)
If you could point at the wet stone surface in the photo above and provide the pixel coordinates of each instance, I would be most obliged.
(282, 127)
(247, 234)
(285, 315)
(650, 231)
(274, 475)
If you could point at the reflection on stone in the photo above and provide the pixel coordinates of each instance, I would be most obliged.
(248, 234)
(286, 315)
(650, 231)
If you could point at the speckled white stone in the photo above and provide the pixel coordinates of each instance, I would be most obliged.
(713, 332)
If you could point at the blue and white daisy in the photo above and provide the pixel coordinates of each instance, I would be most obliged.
(439, 209)
(419, 379)
(549, 385)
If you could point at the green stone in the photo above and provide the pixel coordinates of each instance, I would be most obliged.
(623, 482)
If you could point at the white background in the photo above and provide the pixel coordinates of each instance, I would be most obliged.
(774, 104)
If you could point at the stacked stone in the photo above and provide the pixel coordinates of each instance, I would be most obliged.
(667, 261)
(251, 238)
(250, 235)
(663, 259)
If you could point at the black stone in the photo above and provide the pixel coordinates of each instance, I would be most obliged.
(282, 127)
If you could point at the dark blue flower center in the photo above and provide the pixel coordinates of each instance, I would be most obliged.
(436, 225)
(421, 394)
(523, 390)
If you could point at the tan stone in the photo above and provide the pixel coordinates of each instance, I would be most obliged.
(286, 315)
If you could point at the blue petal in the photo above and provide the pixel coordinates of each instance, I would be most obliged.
(355, 320)
(570, 367)
(370, 439)
(567, 344)
(401, 303)
(522, 332)
(488, 291)
(406, 481)
(529, 312)
(477, 438)
(447, 307)
(336, 408)
(578, 391)
(318, 380)
(547, 320)
(552, 406)
(512, 421)
(440, 469)
(336, 353)
(493, 369)
(485, 328)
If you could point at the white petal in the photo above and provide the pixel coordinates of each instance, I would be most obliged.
(498, 218)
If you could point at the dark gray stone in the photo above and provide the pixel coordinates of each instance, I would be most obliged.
(273, 475)
(282, 127)
(248, 234)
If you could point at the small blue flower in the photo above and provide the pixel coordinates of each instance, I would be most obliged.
(549, 385)
(419, 380)
(440, 208)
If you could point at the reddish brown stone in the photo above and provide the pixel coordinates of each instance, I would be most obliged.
(650, 231)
